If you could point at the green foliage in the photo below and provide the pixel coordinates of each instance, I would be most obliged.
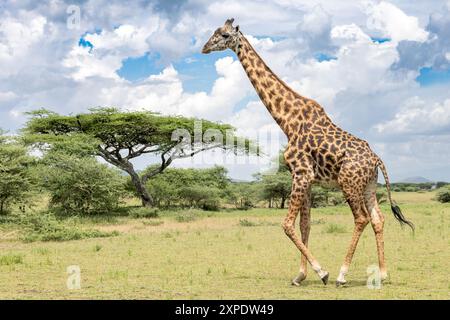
(242, 194)
(319, 197)
(45, 227)
(412, 187)
(443, 195)
(122, 130)
(335, 198)
(80, 185)
(204, 197)
(322, 196)
(16, 180)
(195, 188)
(441, 184)
(381, 195)
(142, 212)
(276, 187)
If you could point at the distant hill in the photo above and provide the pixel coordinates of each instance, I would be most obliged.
(415, 180)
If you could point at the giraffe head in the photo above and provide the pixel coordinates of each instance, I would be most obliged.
(223, 38)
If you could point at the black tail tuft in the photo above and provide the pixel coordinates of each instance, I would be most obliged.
(400, 217)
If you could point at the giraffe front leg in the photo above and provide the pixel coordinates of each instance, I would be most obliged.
(300, 187)
(305, 227)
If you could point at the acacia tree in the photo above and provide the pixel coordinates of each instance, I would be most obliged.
(118, 137)
(15, 175)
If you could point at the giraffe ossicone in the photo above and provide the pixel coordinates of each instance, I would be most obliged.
(317, 151)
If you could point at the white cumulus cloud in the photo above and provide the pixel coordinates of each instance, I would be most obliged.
(392, 22)
(418, 117)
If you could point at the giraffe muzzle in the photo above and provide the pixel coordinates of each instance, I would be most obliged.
(206, 50)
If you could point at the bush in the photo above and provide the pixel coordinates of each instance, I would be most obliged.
(242, 194)
(144, 212)
(319, 197)
(45, 227)
(443, 195)
(194, 188)
(206, 198)
(336, 198)
(381, 196)
(81, 185)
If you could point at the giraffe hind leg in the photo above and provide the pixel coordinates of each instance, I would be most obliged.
(377, 222)
(353, 187)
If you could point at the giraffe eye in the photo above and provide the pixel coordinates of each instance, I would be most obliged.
(225, 35)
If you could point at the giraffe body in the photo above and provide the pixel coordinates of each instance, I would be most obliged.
(318, 151)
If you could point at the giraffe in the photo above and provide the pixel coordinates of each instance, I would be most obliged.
(318, 151)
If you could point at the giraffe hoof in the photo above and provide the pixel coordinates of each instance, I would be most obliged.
(298, 279)
(340, 283)
(325, 278)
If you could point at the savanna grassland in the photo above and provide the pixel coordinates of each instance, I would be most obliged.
(231, 255)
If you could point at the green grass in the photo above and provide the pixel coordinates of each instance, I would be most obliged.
(335, 228)
(247, 223)
(215, 257)
(186, 216)
(11, 259)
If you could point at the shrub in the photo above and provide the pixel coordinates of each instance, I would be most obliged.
(242, 194)
(142, 212)
(204, 197)
(194, 188)
(45, 227)
(81, 185)
(319, 197)
(336, 198)
(381, 196)
(443, 195)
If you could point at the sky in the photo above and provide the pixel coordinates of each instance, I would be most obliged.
(380, 69)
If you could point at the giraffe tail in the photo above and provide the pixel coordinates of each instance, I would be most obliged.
(395, 208)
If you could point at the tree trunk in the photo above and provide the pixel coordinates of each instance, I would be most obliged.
(283, 201)
(147, 200)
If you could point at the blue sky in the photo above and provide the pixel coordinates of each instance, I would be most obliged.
(381, 69)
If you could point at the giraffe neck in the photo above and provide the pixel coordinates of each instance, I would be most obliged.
(286, 106)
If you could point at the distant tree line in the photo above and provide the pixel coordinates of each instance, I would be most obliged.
(415, 187)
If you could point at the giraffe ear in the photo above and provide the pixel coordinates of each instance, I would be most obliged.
(237, 28)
